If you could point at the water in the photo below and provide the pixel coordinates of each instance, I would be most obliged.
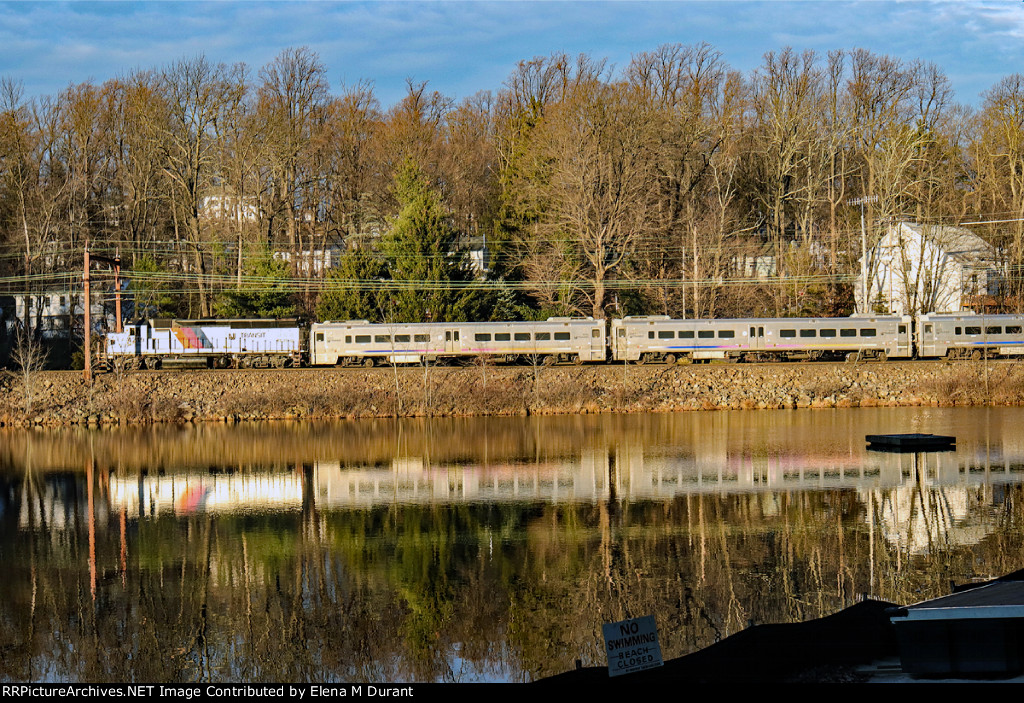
(476, 549)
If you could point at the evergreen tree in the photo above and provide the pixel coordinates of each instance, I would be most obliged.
(352, 291)
(149, 285)
(264, 292)
(424, 257)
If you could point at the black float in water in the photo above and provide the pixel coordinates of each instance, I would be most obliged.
(910, 442)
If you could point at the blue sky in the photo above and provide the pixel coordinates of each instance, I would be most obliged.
(460, 48)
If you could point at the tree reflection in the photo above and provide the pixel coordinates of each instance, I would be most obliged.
(443, 590)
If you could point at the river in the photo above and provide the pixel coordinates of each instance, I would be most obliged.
(477, 549)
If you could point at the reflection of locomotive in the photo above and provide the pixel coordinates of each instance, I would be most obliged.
(280, 343)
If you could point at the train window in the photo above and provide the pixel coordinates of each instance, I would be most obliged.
(421, 337)
(787, 333)
(401, 339)
(561, 336)
(382, 339)
(319, 336)
(706, 334)
(362, 339)
(808, 333)
(1013, 329)
(927, 329)
(666, 334)
(726, 334)
(595, 333)
(348, 339)
(525, 336)
(902, 329)
(993, 330)
(482, 337)
(650, 335)
(847, 332)
(828, 333)
(543, 336)
(959, 330)
(972, 330)
(502, 337)
(685, 334)
(868, 332)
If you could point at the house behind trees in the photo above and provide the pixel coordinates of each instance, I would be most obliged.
(918, 268)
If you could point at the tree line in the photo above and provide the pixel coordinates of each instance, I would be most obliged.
(673, 185)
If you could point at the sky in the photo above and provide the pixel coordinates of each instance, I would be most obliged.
(461, 48)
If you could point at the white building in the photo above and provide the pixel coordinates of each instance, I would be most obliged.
(224, 204)
(919, 268)
(54, 314)
(316, 261)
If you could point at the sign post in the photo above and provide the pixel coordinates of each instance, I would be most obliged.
(632, 645)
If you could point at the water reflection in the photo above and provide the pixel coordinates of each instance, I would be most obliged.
(476, 549)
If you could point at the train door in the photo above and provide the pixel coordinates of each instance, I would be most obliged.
(452, 343)
(597, 344)
(756, 337)
(903, 337)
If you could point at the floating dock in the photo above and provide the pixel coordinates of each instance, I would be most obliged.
(910, 442)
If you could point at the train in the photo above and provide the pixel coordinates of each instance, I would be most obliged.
(265, 343)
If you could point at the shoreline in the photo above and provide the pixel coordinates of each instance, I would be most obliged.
(62, 398)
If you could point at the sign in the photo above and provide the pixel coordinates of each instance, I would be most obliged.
(632, 645)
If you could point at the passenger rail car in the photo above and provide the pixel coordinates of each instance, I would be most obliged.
(660, 338)
(213, 343)
(556, 340)
(969, 336)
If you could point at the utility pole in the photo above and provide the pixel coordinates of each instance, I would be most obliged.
(88, 317)
(863, 248)
(116, 264)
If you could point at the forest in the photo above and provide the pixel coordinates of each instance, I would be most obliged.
(674, 184)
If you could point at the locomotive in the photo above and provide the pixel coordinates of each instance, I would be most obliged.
(237, 343)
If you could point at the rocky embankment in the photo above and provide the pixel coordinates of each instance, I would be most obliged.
(63, 398)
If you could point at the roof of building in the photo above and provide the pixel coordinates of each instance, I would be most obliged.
(959, 243)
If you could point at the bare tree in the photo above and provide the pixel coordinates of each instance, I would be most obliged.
(598, 186)
(29, 357)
